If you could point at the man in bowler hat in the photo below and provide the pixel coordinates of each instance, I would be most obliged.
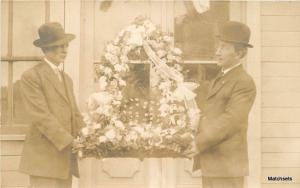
(221, 139)
(53, 113)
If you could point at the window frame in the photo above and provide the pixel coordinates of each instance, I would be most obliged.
(10, 127)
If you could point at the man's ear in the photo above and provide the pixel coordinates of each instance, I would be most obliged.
(241, 53)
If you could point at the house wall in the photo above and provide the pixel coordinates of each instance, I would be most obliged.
(280, 65)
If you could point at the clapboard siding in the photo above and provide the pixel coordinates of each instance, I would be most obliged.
(282, 172)
(10, 163)
(286, 69)
(280, 23)
(11, 147)
(280, 145)
(280, 9)
(280, 38)
(14, 179)
(280, 185)
(280, 84)
(281, 160)
(273, 115)
(280, 130)
(272, 99)
(281, 54)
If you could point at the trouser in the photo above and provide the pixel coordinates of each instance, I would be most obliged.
(216, 182)
(44, 182)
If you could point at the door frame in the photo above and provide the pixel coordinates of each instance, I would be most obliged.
(82, 58)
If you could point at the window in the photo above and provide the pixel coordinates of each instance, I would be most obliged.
(20, 22)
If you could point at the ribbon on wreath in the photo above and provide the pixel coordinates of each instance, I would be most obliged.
(184, 90)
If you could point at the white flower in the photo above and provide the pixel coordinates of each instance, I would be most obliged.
(102, 83)
(114, 102)
(157, 131)
(124, 58)
(122, 83)
(80, 154)
(167, 39)
(116, 40)
(104, 110)
(96, 126)
(149, 26)
(119, 96)
(109, 57)
(164, 108)
(132, 135)
(102, 139)
(161, 53)
(177, 51)
(180, 122)
(119, 124)
(115, 50)
(135, 36)
(85, 131)
(165, 85)
(110, 47)
(139, 129)
(119, 67)
(178, 67)
(119, 137)
(111, 134)
(125, 51)
(107, 71)
(154, 44)
(100, 98)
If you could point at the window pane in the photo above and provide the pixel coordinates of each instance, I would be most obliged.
(3, 104)
(18, 108)
(195, 32)
(111, 21)
(28, 16)
(4, 27)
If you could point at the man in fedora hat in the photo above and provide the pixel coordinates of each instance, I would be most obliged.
(221, 139)
(52, 112)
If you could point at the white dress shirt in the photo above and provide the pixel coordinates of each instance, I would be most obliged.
(225, 71)
(57, 69)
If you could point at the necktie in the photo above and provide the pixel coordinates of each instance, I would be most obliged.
(58, 73)
(219, 76)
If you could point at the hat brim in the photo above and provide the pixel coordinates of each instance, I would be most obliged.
(66, 39)
(235, 42)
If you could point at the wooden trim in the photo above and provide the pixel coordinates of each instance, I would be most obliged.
(10, 63)
(14, 129)
(47, 11)
(12, 137)
(253, 64)
(10, 28)
(21, 58)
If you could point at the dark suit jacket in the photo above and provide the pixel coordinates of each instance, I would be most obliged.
(55, 120)
(222, 132)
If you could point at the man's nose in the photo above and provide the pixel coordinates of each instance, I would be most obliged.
(65, 48)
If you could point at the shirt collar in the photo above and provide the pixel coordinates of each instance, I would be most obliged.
(225, 71)
(53, 66)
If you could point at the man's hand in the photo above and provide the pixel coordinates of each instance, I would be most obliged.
(192, 151)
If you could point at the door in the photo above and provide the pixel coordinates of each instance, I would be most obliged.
(100, 22)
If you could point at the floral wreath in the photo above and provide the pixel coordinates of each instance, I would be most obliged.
(133, 126)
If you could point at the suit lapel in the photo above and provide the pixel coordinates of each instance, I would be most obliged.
(53, 79)
(68, 88)
(216, 86)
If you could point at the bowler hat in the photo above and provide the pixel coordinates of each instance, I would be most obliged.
(235, 32)
(52, 34)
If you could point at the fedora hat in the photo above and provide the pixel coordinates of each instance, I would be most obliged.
(52, 34)
(235, 32)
